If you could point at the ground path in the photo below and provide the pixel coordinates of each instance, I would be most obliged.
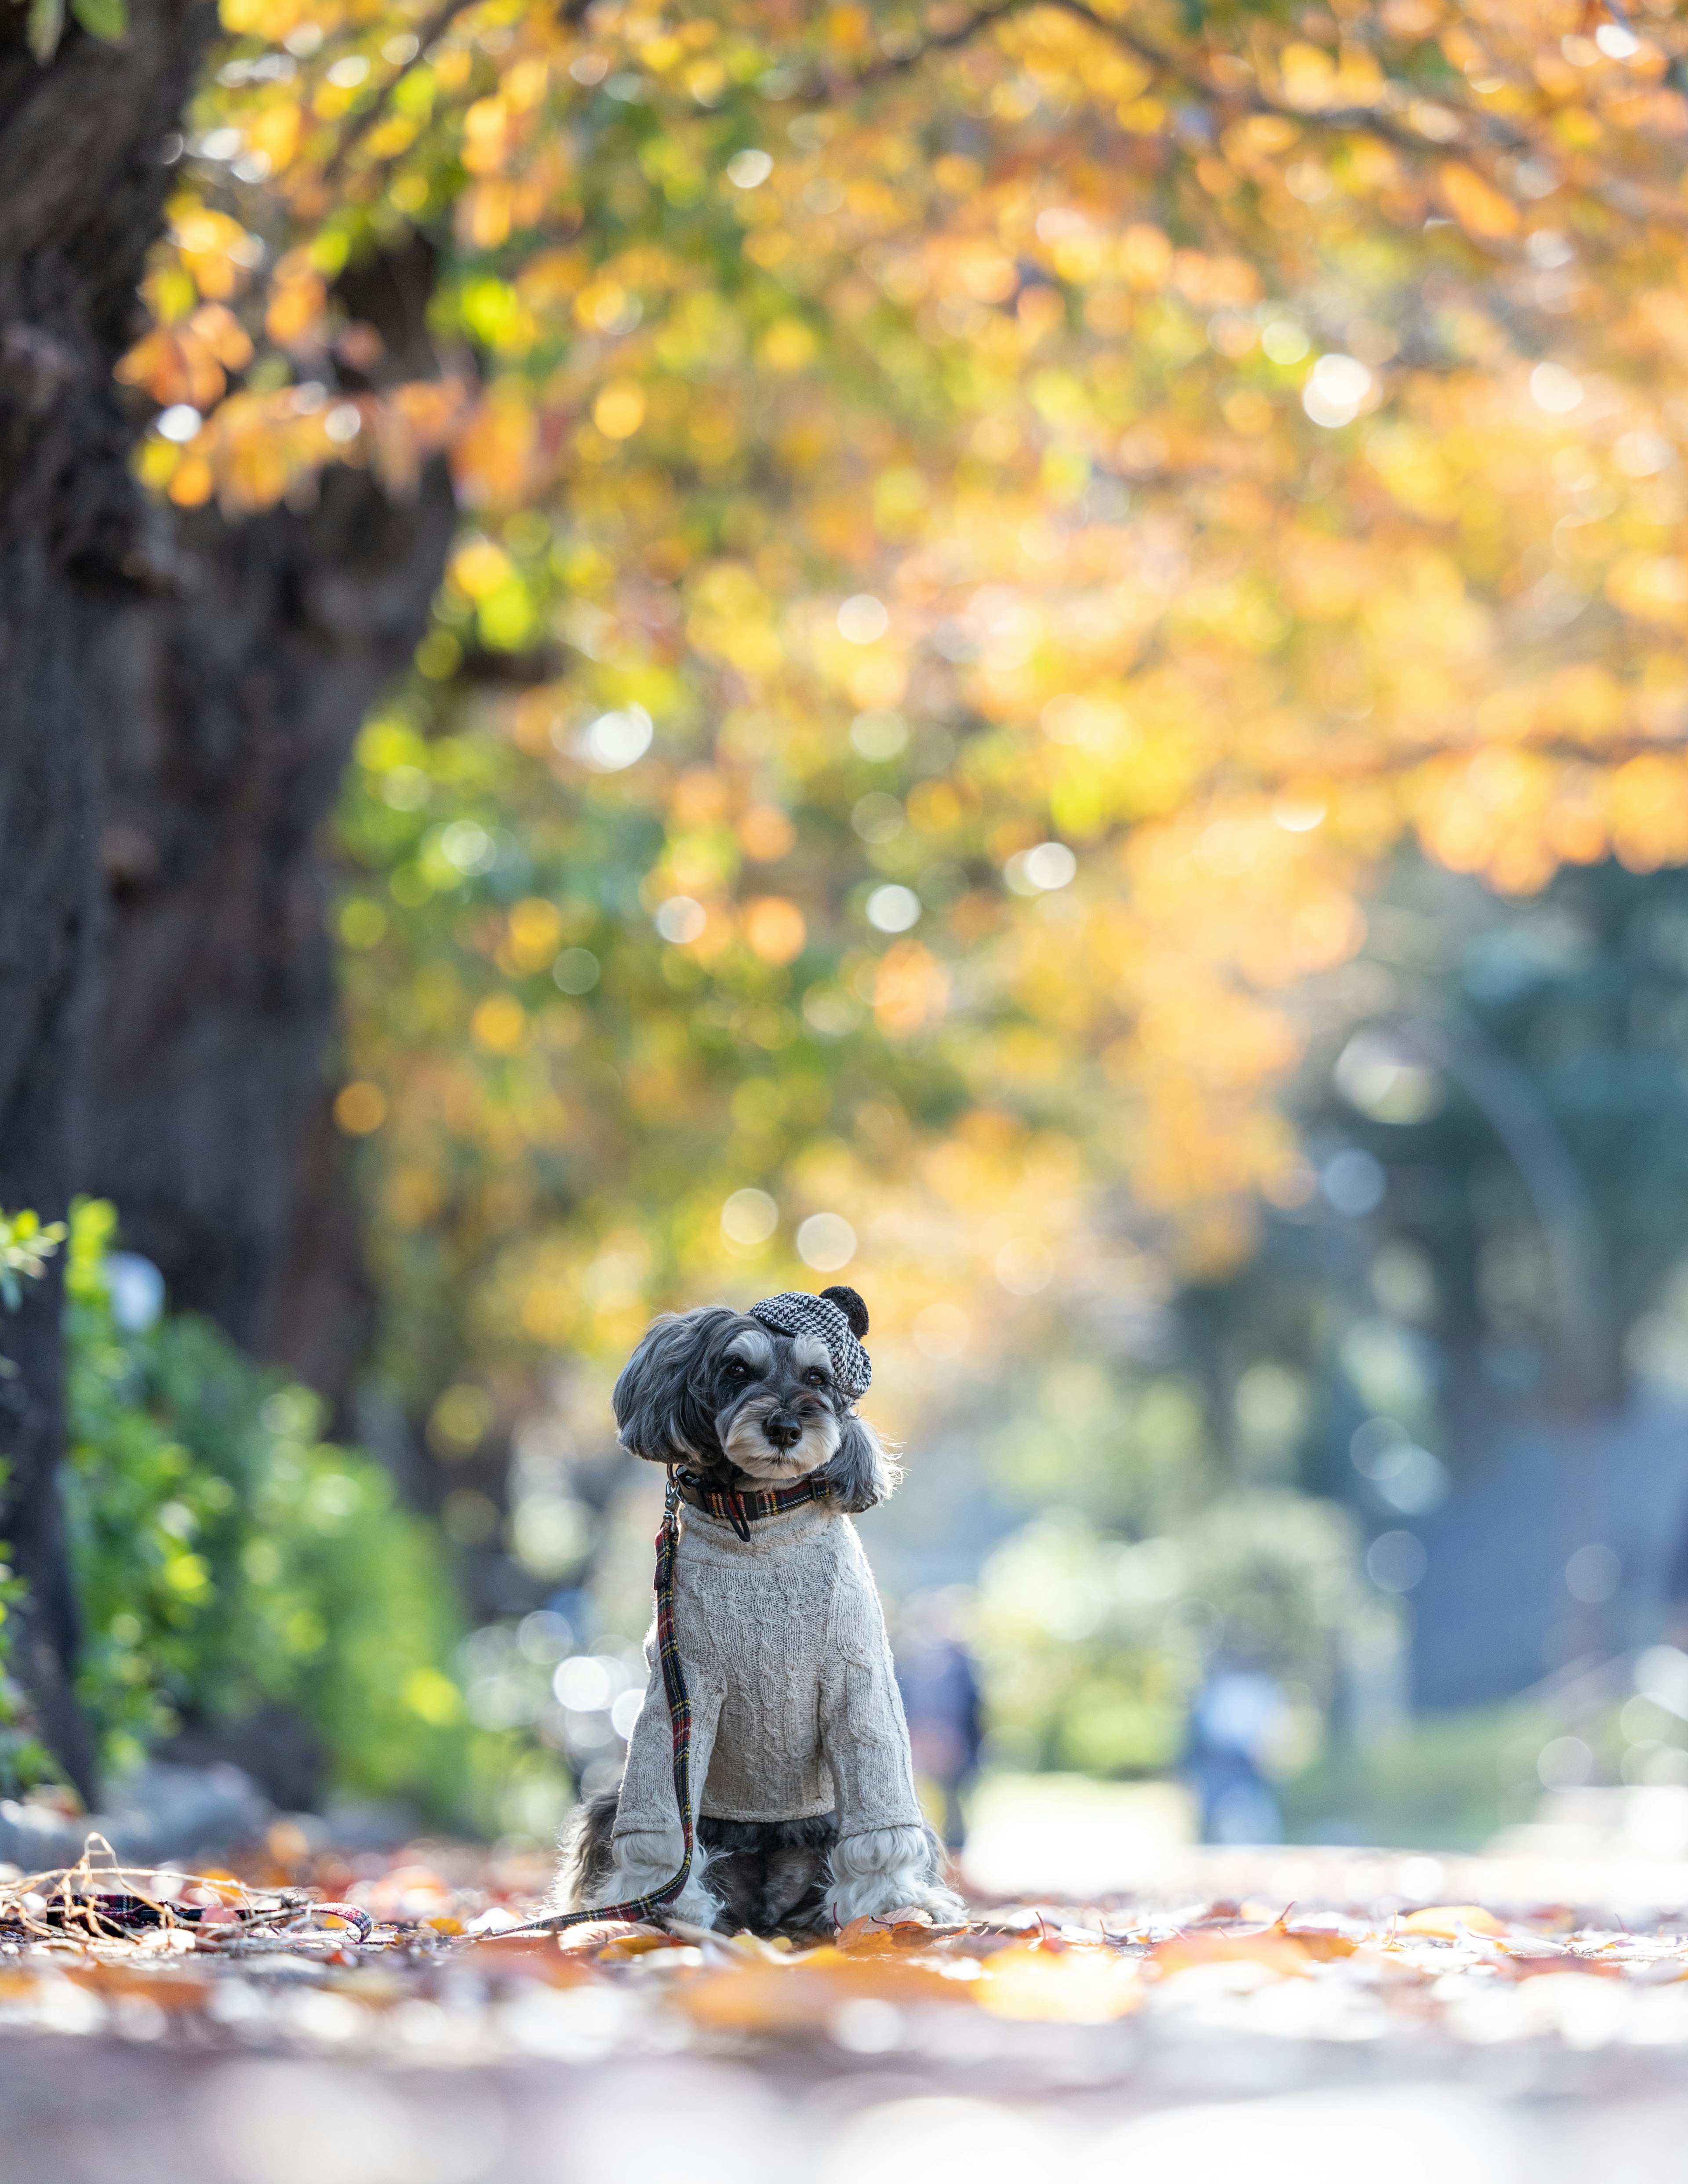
(1261, 2014)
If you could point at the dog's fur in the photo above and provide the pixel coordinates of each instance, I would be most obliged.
(744, 1409)
(770, 1876)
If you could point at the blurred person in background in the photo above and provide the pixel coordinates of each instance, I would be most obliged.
(1239, 1714)
(940, 1695)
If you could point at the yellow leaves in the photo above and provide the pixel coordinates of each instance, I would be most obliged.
(360, 1108)
(1022, 395)
(986, 275)
(479, 566)
(619, 410)
(486, 137)
(1146, 256)
(551, 279)
(1327, 578)
(536, 933)
(1415, 465)
(499, 1024)
(274, 131)
(788, 345)
(1512, 815)
(215, 249)
(1448, 1921)
(486, 212)
(1308, 77)
(1477, 204)
(433, 1698)
(1650, 587)
(1033, 1982)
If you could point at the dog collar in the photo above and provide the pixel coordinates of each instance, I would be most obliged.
(741, 1511)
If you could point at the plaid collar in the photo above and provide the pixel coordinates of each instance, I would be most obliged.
(741, 1511)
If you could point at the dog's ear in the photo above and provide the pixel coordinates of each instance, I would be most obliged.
(862, 1471)
(660, 1411)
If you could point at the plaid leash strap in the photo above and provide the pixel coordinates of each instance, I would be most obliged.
(741, 1511)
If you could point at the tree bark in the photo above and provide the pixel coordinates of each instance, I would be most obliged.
(235, 694)
(178, 696)
(81, 198)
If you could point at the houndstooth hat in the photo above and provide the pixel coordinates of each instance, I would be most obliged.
(838, 1316)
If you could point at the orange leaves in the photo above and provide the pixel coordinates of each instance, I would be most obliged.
(1029, 404)
(1274, 1951)
(492, 454)
(1648, 806)
(868, 1936)
(1516, 814)
(761, 1993)
(298, 297)
(775, 929)
(190, 362)
(254, 450)
(1035, 1982)
(1477, 204)
(910, 989)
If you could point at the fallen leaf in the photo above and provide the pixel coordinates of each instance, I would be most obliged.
(884, 1936)
(1280, 1952)
(595, 1933)
(800, 1994)
(1069, 1986)
(1447, 1920)
(1321, 1943)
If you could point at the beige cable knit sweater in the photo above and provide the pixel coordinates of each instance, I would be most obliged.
(795, 1711)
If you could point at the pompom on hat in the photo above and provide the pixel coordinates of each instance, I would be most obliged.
(838, 1316)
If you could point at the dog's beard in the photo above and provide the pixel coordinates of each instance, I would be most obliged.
(750, 1449)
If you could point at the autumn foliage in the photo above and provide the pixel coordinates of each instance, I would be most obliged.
(981, 531)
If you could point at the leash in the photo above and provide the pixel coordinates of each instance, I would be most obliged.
(741, 1511)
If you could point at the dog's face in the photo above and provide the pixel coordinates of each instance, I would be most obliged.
(720, 1393)
(779, 1411)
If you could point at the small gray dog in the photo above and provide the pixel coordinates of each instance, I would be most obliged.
(800, 1770)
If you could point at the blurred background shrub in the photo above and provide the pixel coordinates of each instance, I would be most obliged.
(233, 1567)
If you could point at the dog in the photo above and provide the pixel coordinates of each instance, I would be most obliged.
(801, 1777)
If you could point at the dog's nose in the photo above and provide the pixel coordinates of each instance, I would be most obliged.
(782, 1431)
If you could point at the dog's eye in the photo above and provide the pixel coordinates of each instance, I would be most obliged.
(737, 1370)
(816, 1377)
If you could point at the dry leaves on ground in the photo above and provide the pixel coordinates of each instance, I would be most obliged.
(396, 1951)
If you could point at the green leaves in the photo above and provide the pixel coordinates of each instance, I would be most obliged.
(108, 20)
(105, 20)
(25, 1247)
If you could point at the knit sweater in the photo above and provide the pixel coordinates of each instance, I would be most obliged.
(795, 1711)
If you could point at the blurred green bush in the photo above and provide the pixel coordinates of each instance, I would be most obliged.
(227, 1558)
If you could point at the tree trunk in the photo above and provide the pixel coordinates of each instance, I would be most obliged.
(81, 197)
(235, 694)
(178, 695)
